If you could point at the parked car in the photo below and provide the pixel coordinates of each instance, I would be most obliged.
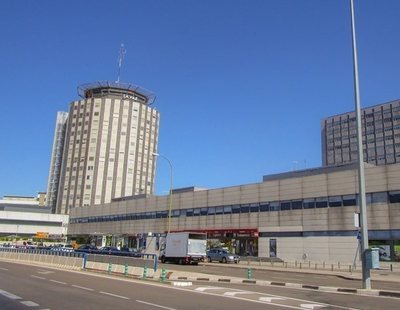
(87, 248)
(109, 250)
(222, 255)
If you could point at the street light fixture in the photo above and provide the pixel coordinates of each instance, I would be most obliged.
(170, 188)
(366, 277)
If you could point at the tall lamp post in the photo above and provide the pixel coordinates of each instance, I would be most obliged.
(170, 188)
(366, 277)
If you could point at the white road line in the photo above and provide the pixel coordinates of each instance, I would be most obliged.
(29, 303)
(269, 299)
(114, 295)
(1, 268)
(9, 295)
(154, 305)
(37, 277)
(236, 293)
(59, 282)
(83, 288)
(311, 306)
(202, 289)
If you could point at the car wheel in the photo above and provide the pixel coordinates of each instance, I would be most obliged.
(224, 260)
(209, 259)
(180, 262)
(163, 259)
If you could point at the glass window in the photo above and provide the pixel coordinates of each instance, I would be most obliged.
(176, 213)
(297, 204)
(236, 209)
(321, 202)
(196, 212)
(285, 205)
(254, 207)
(274, 206)
(189, 212)
(227, 209)
(219, 210)
(309, 203)
(349, 200)
(211, 211)
(394, 196)
(379, 197)
(264, 207)
(203, 211)
(245, 208)
(335, 201)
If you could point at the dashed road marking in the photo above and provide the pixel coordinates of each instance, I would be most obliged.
(311, 306)
(5, 269)
(29, 303)
(37, 277)
(59, 282)
(154, 305)
(114, 295)
(269, 299)
(83, 288)
(237, 293)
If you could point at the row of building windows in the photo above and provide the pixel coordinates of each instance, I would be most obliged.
(309, 203)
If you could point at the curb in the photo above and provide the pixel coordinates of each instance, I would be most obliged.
(381, 293)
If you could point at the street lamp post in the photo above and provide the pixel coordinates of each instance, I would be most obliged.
(170, 189)
(366, 278)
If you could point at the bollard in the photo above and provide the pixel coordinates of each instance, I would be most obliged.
(338, 264)
(163, 274)
(315, 266)
(300, 265)
(109, 267)
(249, 273)
(145, 272)
(126, 270)
(391, 267)
(332, 267)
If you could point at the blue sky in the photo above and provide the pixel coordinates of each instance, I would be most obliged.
(241, 85)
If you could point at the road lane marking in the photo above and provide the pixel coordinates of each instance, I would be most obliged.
(311, 306)
(9, 295)
(154, 305)
(114, 295)
(202, 289)
(269, 299)
(59, 282)
(37, 277)
(83, 288)
(29, 303)
(236, 293)
(1, 268)
(45, 271)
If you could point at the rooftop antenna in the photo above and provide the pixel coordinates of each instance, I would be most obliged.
(122, 52)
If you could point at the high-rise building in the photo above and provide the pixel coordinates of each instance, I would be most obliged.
(55, 161)
(380, 134)
(111, 135)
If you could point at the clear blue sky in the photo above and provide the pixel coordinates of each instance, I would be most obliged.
(241, 85)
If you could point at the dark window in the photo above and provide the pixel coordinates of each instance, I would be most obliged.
(236, 209)
(349, 200)
(203, 211)
(264, 207)
(297, 204)
(335, 201)
(394, 197)
(189, 212)
(321, 202)
(211, 211)
(379, 197)
(285, 205)
(227, 209)
(196, 212)
(254, 207)
(245, 209)
(274, 206)
(219, 210)
(309, 203)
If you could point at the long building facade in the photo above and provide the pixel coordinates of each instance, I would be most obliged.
(302, 215)
(380, 132)
(111, 135)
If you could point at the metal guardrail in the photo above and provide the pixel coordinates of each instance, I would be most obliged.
(143, 260)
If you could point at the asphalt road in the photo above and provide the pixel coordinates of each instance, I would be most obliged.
(240, 271)
(32, 287)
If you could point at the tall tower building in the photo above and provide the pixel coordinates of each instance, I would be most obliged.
(111, 135)
(380, 134)
(56, 159)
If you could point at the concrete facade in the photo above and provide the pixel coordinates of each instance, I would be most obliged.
(380, 132)
(305, 215)
(110, 138)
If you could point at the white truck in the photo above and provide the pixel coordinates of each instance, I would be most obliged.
(184, 248)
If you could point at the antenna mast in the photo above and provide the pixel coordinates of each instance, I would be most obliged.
(122, 52)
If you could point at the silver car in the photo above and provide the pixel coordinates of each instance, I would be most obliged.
(222, 255)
